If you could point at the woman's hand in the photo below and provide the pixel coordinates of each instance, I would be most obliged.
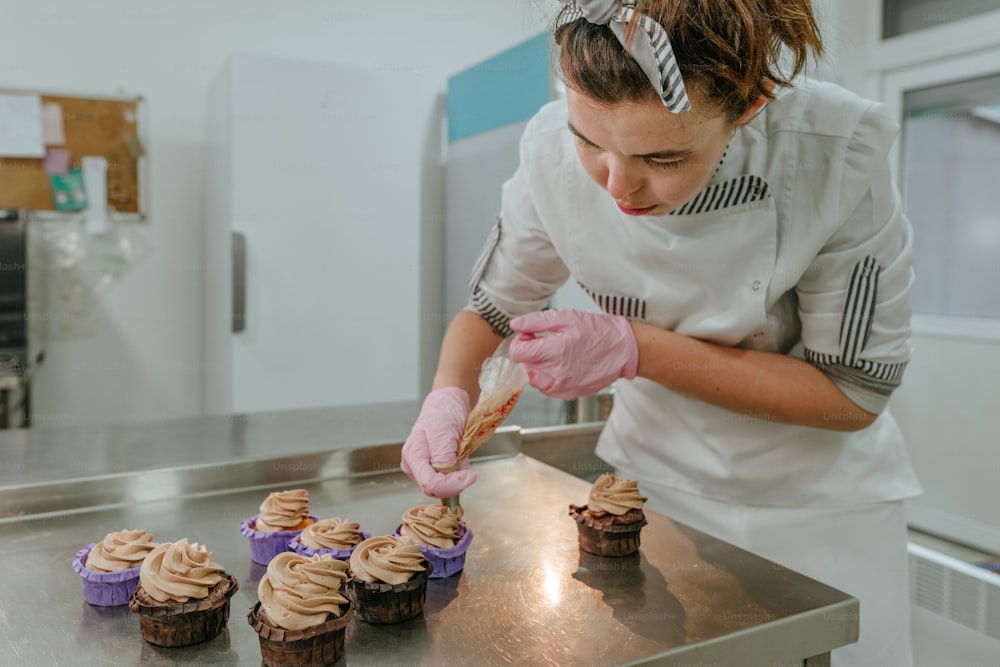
(434, 442)
(571, 353)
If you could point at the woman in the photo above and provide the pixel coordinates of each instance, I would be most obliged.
(746, 243)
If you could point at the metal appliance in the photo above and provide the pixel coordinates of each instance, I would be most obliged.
(16, 328)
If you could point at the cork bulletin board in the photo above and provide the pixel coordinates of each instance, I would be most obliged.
(93, 126)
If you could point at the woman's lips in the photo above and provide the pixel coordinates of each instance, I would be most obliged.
(628, 210)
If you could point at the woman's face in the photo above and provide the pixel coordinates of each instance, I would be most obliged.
(650, 160)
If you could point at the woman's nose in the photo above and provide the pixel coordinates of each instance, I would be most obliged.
(622, 180)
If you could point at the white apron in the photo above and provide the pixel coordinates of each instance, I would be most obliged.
(717, 269)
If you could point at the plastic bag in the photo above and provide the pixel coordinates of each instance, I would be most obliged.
(501, 382)
(75, 266)
(66, 294)
(114, 252)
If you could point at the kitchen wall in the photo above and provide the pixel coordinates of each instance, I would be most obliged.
(143, 358)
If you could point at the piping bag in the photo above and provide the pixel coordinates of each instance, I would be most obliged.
(501, 382)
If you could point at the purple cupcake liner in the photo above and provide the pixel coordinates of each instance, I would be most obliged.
(447, 561)
(265, 546)
(105, 589)
(338, 554)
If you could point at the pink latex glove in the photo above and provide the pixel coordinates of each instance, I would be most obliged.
(571, 353)
(434, 438)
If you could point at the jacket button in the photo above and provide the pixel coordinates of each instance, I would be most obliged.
(756, 285)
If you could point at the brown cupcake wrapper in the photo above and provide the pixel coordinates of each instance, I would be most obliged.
(608, 535)
(390, 603)
(189, 607)
(185, 623)
(604, 543)
(414, 583)
(261, 623)
(321, 644)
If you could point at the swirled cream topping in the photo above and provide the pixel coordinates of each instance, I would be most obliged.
(392, 560)
(298, 592)
(179, 571)
(120, 551)
(614, 495)
(283, 510)
(333, 533)
(435, 525)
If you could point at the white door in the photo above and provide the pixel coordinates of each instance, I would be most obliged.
(322, 168)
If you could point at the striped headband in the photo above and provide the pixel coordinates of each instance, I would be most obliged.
(650, 46)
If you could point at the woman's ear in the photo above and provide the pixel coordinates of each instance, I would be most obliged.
(754, 108)
(751, 111)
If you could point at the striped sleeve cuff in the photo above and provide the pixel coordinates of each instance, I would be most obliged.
(499, 320)
(869, 384)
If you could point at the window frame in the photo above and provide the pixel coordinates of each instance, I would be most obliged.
(964, 49)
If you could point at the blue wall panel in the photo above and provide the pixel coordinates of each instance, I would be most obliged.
(508, 88)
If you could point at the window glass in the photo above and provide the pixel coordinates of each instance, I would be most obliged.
(950, 182)
(902, 16)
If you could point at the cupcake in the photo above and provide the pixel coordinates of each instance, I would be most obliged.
(442, 535)
(282, 516)
(388, 579)
(335, 537)
(182, 597)
(110, 568)
(301, 617)
(610, 522)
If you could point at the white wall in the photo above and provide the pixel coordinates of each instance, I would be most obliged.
(848, 33)
(145, 358)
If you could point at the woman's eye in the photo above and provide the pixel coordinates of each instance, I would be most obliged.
(586, 144)
(660, 164)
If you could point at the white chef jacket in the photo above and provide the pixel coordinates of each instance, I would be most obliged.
(798, 245)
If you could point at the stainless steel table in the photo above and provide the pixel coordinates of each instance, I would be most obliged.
(527, 596)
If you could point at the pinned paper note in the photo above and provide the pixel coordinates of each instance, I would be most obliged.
(56, 161)
(53, 128)
(67, 191)
(95, 182)
(21, 126)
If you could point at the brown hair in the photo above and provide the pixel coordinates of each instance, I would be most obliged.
(728, 49)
